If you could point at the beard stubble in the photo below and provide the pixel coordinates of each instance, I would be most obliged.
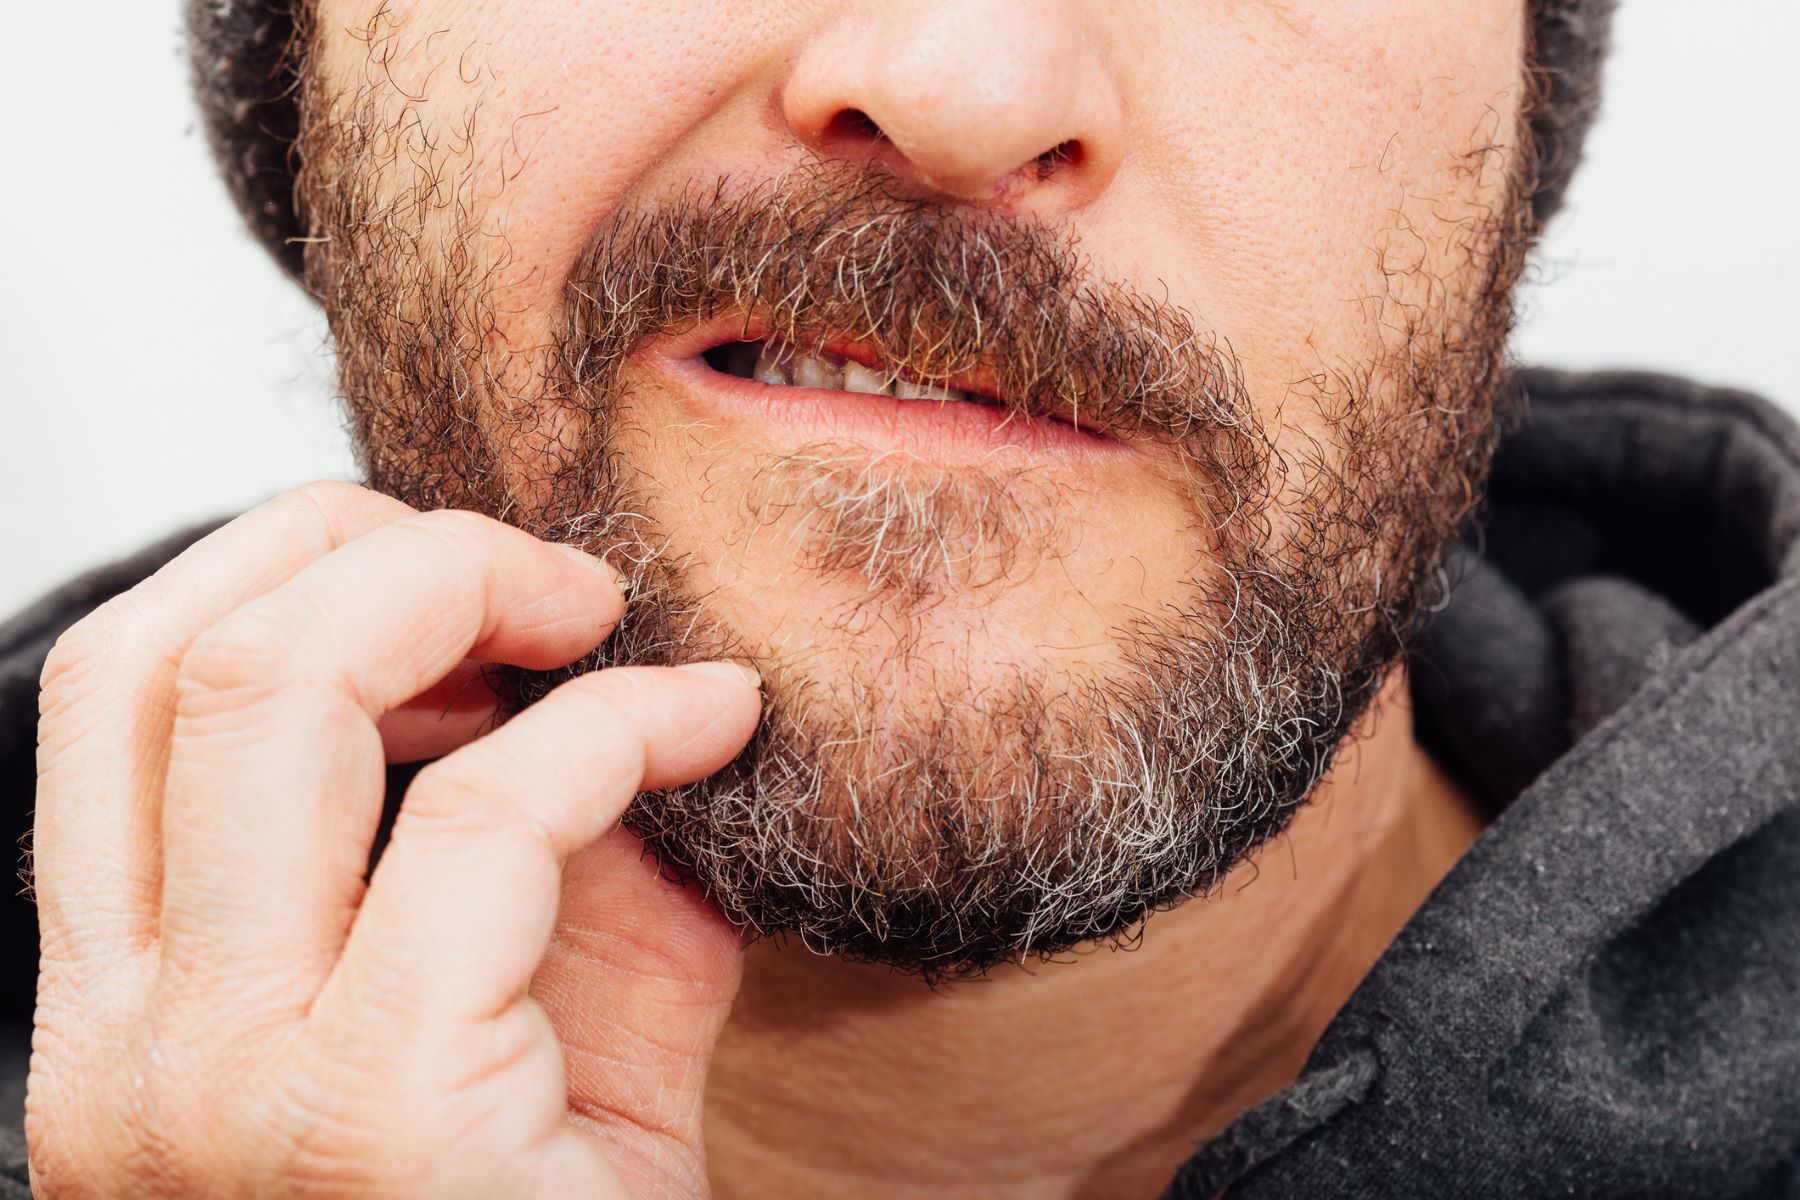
(1006, 809)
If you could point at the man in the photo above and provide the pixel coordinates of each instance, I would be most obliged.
(952, 481)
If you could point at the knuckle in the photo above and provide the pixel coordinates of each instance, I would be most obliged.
(612, 703)
(457, 795)
(489, 801)
(444, 542)
(86, 650)
(328, 495)
(318, 509)
(81, 649)
(460, 527)
(506, 783)
(96, 666)
(618, 691)
(248, 655)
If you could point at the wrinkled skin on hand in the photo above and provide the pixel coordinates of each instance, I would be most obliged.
(513, 1004)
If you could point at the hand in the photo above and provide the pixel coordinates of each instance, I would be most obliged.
(225, 1009)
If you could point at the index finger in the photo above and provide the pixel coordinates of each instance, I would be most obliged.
(461, 908)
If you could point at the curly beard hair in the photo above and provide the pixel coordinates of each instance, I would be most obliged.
(1039, 809)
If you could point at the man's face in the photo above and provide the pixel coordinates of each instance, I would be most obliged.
(1062, 404)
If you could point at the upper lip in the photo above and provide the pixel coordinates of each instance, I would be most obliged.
(981, 381)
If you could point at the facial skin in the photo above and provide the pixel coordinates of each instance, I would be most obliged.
(1024, 683)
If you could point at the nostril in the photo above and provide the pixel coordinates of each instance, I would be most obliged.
(1063, 154)
(853, 125)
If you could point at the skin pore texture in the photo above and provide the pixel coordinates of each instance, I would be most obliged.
(1231, 284)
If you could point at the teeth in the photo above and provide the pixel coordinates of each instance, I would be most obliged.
(776, 364)
(769, 368)
(926, 391)
(858, 378)
(813, 372)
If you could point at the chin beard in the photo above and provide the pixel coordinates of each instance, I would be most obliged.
(925, 811)
(913, 818)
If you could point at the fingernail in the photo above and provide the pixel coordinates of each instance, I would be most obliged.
(723, 669)
(592, 563)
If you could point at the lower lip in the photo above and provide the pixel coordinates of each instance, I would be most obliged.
(939, 430)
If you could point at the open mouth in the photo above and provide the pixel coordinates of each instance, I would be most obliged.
(840, 389)
(782, 365)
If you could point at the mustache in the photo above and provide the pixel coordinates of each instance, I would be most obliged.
(936, 293)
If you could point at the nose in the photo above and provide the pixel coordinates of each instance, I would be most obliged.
(1001, 102)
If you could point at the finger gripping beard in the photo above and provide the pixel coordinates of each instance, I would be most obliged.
(1003, 809)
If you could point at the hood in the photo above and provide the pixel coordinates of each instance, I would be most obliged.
(1600, 999)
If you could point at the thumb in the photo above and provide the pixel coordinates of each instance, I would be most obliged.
(638, 981)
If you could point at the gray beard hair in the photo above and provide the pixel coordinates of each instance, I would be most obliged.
(905, 529)
(1020, 819)
(1033, 811)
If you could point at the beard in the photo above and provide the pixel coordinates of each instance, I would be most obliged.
(931, 803)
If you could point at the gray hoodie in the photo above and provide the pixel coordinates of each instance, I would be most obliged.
(1603, 996)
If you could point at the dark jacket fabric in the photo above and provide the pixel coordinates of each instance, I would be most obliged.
(1602, 999)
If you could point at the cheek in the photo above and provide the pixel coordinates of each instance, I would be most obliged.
(1272, 150)
(584, 106)
(1286, 153)
(537, 116)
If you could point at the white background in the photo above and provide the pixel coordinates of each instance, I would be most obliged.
(159, 370)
